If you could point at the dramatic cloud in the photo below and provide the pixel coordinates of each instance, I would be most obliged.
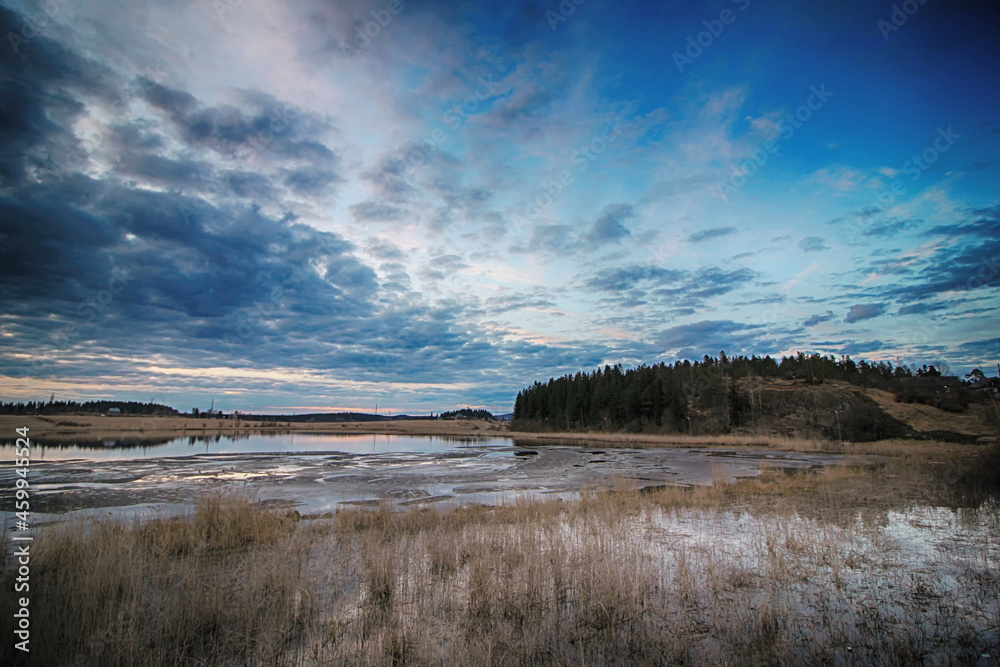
(618, 280)
(709, 337)
(506, 303)
(610, 226)
(862, 312)
(708, 234)
(818, 319)
(44, 88)
(921, 308)
(812, 244)
(261, 207)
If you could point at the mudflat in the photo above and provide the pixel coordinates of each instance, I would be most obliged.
(479, 471)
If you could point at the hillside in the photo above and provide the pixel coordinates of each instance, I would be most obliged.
(979, 421)
(796, 409)
(715, 400)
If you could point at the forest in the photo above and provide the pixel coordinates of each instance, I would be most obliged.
(717, 391)
(54, 407)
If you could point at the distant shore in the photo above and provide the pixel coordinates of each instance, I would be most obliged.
(90, 427)
(101, 427)
(98, 427)
(106, 427)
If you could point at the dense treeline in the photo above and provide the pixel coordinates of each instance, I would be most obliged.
(53, 407)
(719, 392)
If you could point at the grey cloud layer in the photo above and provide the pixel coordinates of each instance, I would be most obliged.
(212, 278)
(679, 288)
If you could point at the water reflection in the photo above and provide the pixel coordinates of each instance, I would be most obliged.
(118, 449)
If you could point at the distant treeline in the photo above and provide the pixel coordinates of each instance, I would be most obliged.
(663, 397)
(466, 413)
(327, 417)
(53, 407)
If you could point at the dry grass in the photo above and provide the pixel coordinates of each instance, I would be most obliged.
(784, 568)
(641, 440)
(928, 418)
(878, 477)
(218, 586)
(613, 579)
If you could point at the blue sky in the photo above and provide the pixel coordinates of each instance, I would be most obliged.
(323, 205)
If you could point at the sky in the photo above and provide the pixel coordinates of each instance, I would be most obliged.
(319, 205)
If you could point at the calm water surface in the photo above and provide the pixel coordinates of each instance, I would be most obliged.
(123, 450)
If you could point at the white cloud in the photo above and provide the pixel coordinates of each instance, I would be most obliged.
(839, 178)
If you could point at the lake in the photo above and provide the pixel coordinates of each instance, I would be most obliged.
(317, 473)
(287, 443)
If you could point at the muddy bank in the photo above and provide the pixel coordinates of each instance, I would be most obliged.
(317, 482)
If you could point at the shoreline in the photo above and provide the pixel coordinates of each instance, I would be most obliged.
(101, 427)
(97, 428)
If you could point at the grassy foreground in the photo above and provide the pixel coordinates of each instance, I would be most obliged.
(785, 568)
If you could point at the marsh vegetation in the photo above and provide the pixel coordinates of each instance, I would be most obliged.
(892, 562)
